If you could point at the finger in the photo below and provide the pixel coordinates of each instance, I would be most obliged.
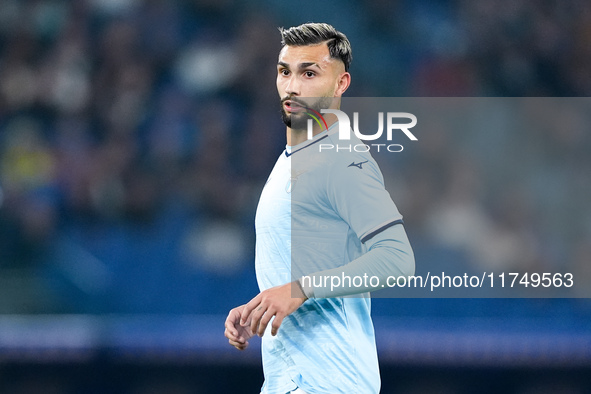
(248, 308)
(239, 345)
(236, 341)
(265, 319)
(231, 328)
(232, 318)
(255, 318)
(235, 338)
(232, 315)
(232, 335)
(276, 324)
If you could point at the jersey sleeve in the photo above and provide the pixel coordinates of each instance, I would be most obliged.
(357, 193)
(389, 256)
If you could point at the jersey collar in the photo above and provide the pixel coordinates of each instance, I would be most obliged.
(290, 150)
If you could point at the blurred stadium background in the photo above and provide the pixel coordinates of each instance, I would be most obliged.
(136, 135)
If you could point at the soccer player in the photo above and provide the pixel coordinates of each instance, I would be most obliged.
(320, 215)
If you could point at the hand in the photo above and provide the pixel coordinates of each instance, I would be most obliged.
(276, 301)
(237, 335)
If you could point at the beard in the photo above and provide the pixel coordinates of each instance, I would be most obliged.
(297, 121)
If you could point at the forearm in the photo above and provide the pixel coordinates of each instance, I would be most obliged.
(389, 255)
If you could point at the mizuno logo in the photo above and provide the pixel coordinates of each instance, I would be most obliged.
(358, 165)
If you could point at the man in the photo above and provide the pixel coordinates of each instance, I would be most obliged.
(320, 215)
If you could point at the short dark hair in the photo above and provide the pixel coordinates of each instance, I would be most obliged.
(339, 46)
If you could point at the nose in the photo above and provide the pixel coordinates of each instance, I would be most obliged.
(293, 86)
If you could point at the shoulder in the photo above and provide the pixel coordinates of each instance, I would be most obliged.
(346, 156)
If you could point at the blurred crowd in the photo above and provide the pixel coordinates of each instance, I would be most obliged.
(136, 135)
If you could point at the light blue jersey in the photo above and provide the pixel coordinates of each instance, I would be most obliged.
(316, 211)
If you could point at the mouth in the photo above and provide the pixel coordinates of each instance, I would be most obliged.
(292, 106)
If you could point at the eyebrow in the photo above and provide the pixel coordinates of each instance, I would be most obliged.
(300, 66)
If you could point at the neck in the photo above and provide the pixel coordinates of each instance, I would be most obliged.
(296, 136)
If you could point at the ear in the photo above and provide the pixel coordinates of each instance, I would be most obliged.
(342, 84)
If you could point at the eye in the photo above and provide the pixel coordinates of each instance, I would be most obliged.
(309, 74)
(284, 72)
